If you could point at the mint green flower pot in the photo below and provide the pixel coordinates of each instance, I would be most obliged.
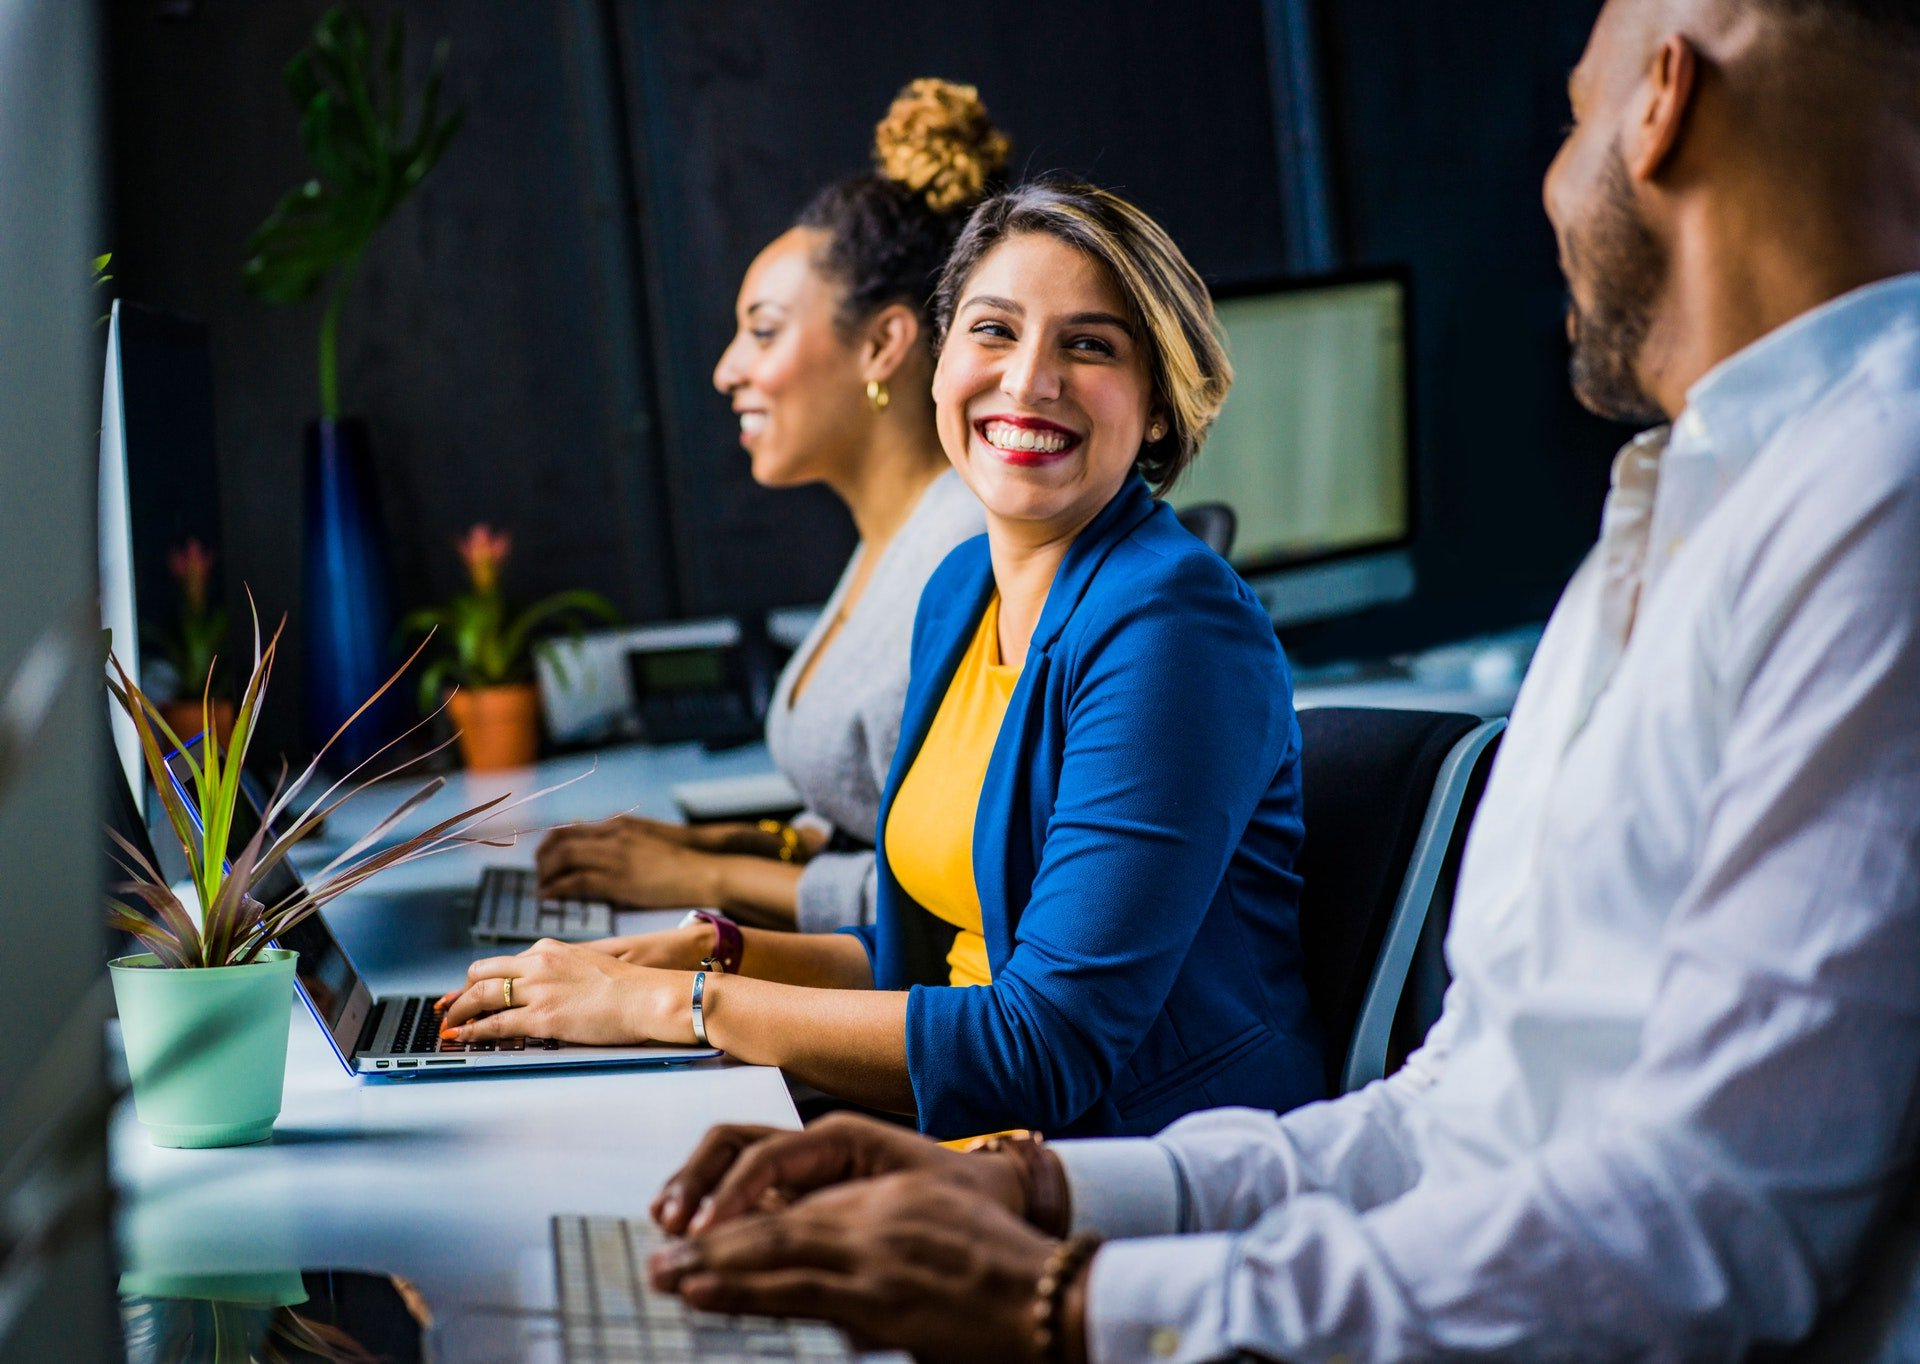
(206, 1049)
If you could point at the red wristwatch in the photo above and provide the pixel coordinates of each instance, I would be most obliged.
(728, 946)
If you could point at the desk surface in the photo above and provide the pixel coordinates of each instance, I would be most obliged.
(447, 1182)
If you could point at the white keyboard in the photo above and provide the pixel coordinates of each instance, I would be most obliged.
(608, 1314)
(508, 908)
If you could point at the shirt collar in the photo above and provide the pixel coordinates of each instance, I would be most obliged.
(1741, 403)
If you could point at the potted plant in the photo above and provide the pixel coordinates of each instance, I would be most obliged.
(192, 648)
(371, 144)
(496, 707)
(205, 1010)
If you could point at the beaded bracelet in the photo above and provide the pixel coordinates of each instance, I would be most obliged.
(1064, 1266)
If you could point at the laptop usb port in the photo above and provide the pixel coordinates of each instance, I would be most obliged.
(405, 1065)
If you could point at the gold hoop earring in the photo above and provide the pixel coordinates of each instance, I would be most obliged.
(877, 394)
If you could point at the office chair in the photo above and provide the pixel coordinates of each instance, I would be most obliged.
(1213, 523)
(1388, 797)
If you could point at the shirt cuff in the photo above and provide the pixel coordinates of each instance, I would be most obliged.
(832, 892)
(1122, 1187)
(1160, 1299)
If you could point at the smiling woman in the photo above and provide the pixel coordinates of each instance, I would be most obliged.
(1094, 810)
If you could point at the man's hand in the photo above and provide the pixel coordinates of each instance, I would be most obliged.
(907, 1261)
(738, 1170)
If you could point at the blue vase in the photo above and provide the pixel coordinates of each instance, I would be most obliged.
(348, 616)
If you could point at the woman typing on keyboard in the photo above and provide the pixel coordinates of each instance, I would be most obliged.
(1087, 909)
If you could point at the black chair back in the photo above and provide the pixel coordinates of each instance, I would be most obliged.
(1367, 777)
(1213, 523)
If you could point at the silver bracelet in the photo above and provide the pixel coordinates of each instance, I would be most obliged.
(699, 995)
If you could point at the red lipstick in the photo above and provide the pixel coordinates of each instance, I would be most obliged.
(1050, 441)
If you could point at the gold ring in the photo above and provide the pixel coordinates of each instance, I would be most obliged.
(506, 990)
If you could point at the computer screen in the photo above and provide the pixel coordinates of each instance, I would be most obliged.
(1312, 449)
(159, 491)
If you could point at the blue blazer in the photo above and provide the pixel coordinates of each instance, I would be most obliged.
(1133, 850)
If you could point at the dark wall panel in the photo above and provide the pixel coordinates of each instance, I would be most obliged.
(742, 109)
(1443, 119)
(578, 252)
(486, 340)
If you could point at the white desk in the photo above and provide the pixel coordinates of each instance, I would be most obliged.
(446, 1182)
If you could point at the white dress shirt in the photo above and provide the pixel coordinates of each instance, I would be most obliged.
(1674, 1079)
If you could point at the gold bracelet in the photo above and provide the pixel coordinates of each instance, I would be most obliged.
(1067, 1263)
(788, 835)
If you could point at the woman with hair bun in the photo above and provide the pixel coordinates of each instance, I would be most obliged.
(1088, 909)
(829, 373)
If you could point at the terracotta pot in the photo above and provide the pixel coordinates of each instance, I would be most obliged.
(499, 726)
(184, 716)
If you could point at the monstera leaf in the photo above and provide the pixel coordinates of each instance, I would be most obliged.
(370, 145)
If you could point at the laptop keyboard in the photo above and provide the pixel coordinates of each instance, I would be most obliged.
(508, 906)
(418, 1034)
(608, 1315)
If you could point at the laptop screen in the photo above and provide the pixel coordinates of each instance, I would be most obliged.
(338, 998)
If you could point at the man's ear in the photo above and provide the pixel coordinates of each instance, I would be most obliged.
(887, 339)
(1671, 79)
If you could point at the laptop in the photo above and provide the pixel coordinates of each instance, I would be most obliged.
(397, 1037)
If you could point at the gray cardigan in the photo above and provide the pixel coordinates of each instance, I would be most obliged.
(836, 742)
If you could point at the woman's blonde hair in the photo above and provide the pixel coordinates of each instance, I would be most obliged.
(1186, 360)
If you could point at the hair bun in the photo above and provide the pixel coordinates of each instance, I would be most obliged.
(938, 142)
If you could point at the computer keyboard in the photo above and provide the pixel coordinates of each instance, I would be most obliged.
(508, 908)
(608, 1314)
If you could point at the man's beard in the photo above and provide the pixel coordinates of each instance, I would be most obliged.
(1626, 267)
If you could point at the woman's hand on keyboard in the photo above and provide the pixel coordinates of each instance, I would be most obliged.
(640, 862)
(573, 993)
(738, 1169)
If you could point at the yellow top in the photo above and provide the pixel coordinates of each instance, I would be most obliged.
(930, 825)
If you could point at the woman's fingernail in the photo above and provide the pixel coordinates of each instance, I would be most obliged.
(449, 1034)
(670, 1209)
(702, 1215)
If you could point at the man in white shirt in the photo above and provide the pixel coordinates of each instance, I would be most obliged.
(1677, 1076)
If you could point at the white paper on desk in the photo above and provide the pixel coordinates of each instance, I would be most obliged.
(746, 797)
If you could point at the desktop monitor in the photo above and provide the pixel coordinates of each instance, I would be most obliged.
(159, 487)
(1312, 450)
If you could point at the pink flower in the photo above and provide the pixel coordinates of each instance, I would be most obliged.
(484, 549)
(191, 566)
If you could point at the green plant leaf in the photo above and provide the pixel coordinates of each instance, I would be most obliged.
(579, 601)
(433, 680)
(353, 106)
